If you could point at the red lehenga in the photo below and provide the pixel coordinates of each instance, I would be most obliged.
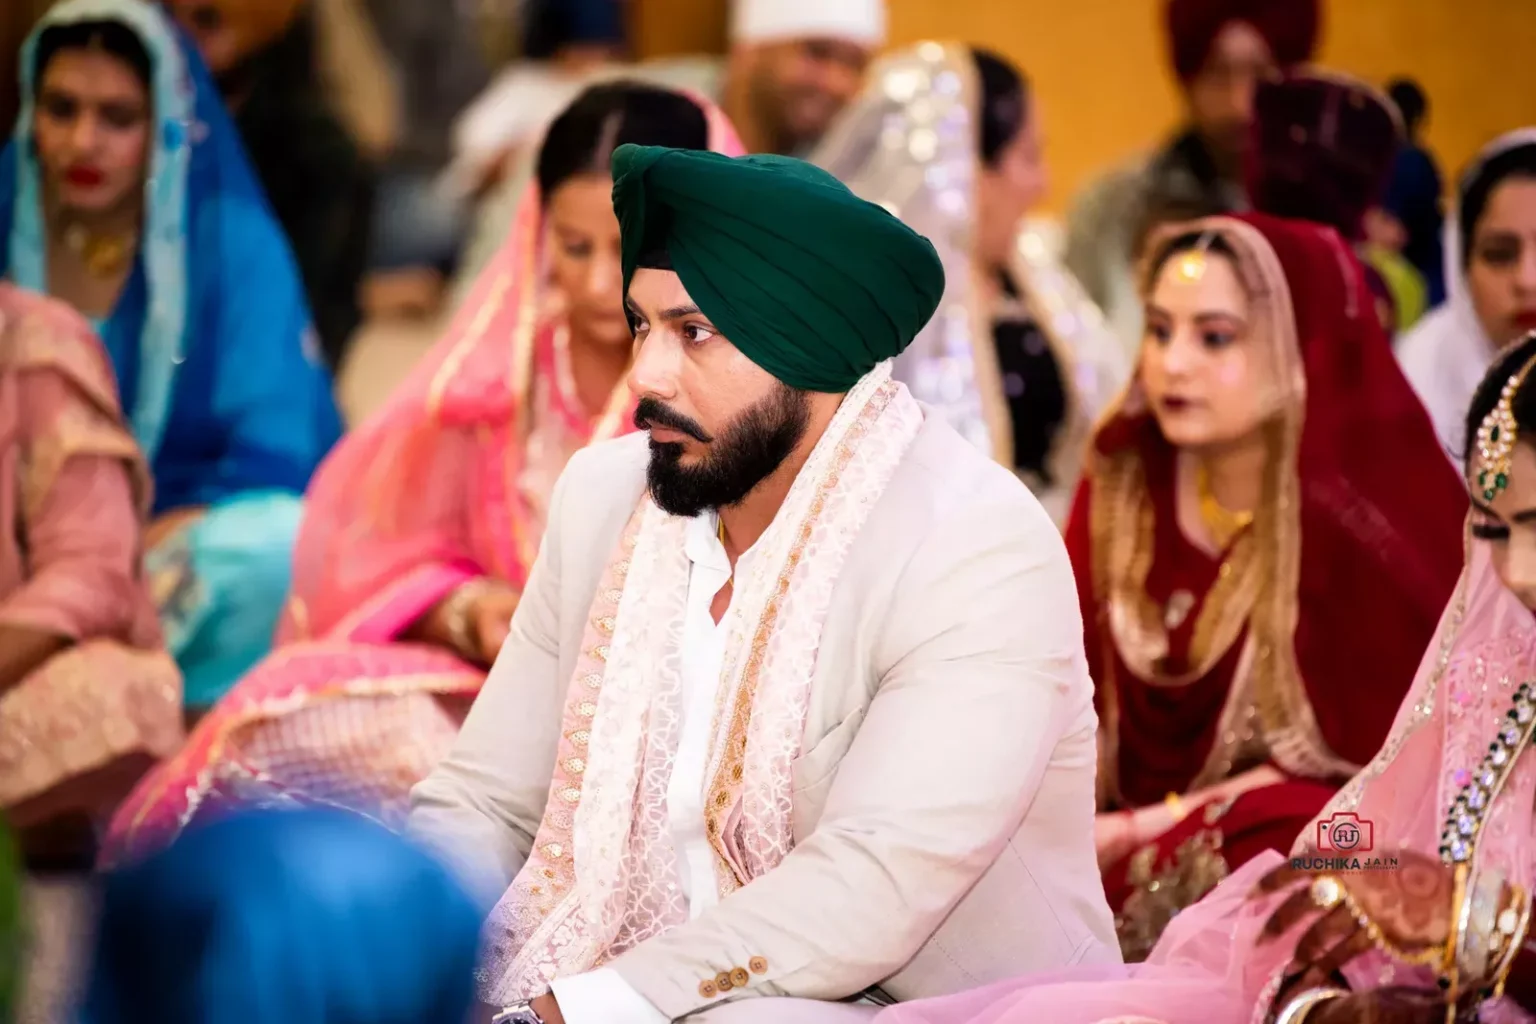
(1294, 647)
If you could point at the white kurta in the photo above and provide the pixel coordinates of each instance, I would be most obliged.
(603, 996)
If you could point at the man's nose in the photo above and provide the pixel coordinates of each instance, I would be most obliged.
(653, 371)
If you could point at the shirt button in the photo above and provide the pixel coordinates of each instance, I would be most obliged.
(739, 978)
(707, 989)
(757, 965)
(723, 982)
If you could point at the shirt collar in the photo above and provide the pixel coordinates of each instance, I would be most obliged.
(702, 542)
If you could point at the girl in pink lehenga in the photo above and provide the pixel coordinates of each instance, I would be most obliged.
(1434, 900)
(422, 525)
(88, 696)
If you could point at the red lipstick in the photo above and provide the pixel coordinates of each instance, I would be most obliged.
(84, 177)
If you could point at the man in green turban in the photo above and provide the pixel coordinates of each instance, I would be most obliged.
(798, 676)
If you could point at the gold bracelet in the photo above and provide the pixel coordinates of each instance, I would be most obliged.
(1450, 973)
(1479, 922)
(1297, 1009)
(456, 616)
(1328, 891)
(1519, 922)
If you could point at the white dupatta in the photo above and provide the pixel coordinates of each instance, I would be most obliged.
(1447, 353)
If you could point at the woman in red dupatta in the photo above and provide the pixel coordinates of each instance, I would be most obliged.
(421, 527)
(1248, 662)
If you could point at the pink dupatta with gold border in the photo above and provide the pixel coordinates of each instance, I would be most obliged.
(447, 483)
(1208, 966)
(74, 498)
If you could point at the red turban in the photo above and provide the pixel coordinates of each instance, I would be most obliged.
(1323, 146)
(1289, 26)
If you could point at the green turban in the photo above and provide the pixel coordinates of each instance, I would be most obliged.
(813, 284)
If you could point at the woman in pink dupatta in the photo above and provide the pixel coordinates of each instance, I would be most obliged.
(88, 696)
(1445, 847)
(422, 525)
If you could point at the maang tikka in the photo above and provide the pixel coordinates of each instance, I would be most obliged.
(1497, 434)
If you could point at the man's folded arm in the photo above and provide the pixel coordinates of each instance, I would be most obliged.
(481, 807)
(985, 643)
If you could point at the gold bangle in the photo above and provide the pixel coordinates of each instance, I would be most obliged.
(1329, 891)
(1450, 972)
(1300, 1005)
(1514, 937)
(456, 616)
(1175, 805)
(1479, 924)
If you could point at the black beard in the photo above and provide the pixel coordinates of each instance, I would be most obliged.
(742, 456)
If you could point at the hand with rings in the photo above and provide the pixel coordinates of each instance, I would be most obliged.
(1403, 911)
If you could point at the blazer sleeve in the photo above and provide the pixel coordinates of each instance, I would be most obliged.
(985, 653)
(481, 807)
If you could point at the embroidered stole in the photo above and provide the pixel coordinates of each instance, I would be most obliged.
(602, 875)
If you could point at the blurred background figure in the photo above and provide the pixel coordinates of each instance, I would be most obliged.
(1249, 639)
(263, 55)
(791, 67)
(1490, 271)
(89, 698)
(1322, 149)
(436, 68)
(951, 139)
(1410, 217)
(284, 918)
(125, 191)
(1220, 50)
(575, 34)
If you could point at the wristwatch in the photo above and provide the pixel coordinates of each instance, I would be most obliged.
(517, 1013)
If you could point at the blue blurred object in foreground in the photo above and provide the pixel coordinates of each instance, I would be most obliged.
(305, 917)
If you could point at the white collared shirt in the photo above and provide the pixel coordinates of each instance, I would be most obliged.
(603, 996)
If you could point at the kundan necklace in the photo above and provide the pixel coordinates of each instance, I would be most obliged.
(103, 256)
(1223, 523)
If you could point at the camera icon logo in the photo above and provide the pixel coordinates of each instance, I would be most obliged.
(1345, 833)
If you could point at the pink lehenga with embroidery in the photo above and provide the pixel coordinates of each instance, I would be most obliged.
(74, 492)
(447, 484)
(1207, 966)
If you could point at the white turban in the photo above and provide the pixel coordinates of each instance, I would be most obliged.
(772, 21)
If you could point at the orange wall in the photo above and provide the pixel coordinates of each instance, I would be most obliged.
(1101, 75)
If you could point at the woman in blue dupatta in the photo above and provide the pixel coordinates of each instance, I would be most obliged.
(198, 300)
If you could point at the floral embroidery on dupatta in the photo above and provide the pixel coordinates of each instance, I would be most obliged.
(602, 875)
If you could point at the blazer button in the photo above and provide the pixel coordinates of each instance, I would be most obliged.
(723, 982)
(707, 989)
(739, 978)
(757, 965)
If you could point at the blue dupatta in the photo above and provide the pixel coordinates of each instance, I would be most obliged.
(211, 338)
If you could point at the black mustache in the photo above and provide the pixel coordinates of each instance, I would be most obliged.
(651, 413)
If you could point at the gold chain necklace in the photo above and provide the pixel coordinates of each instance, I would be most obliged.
(1223, 523)
(104, 256)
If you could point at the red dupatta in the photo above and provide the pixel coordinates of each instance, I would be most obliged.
(1321, 609)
